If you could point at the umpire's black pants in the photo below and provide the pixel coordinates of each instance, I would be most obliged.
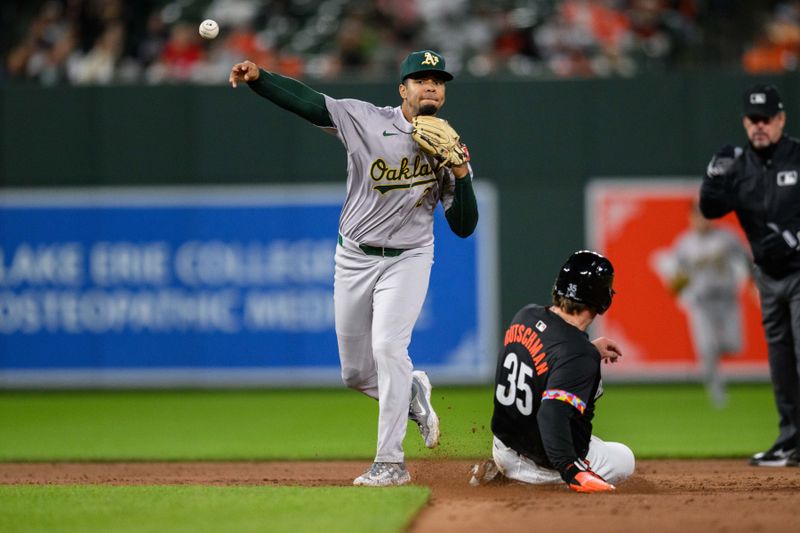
(780, 307)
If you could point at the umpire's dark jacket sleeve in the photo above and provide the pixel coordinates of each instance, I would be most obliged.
(716, 196)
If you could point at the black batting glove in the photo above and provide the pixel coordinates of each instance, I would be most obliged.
(580, 478)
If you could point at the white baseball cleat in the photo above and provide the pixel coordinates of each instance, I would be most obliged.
(421, 411)
(383, 475)
(485, 473)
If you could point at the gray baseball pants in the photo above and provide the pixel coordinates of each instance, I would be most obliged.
(377, 301)
(780, 308)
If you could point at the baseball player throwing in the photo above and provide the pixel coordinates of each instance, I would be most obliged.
(401, 162)
(547, 382)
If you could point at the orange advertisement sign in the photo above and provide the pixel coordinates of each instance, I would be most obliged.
(637, 225)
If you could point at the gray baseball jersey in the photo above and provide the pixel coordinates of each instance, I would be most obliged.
(715, 262)
(392, 187)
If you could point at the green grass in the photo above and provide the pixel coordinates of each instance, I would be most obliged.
(201, 508)
(677, 421)
(186, 425)
(655, 421)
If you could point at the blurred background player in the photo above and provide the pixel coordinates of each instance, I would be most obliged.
(760, 183)
(547, 382)
(705, 268)
(385, 251)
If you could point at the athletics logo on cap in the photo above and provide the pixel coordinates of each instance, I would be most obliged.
(424, 62)
(430, 59)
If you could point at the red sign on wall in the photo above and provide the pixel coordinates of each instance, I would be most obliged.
(636, 224)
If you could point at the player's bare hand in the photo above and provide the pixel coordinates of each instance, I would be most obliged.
(460, 171)
(609, 350)
(244, 71)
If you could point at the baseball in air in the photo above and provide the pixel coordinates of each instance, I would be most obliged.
(209, 29)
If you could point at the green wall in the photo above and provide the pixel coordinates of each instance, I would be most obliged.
(538, 142)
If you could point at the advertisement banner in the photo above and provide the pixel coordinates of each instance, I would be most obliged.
(196, 286)
(639, 225)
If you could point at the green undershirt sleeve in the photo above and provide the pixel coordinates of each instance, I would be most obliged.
(293, 96)
(463, 214)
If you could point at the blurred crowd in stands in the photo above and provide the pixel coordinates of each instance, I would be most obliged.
(153, 42)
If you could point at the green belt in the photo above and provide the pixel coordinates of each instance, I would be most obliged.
(377, 250)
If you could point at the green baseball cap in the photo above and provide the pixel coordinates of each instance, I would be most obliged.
(423, 61)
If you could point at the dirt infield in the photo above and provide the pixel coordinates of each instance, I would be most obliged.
(685, 496)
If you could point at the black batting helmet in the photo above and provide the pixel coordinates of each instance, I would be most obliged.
(586, 278)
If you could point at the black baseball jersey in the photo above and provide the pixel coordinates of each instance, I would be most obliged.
(547, 380)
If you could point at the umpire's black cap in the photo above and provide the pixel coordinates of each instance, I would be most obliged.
(762, 101)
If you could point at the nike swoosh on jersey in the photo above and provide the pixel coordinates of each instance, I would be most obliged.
(388, 134)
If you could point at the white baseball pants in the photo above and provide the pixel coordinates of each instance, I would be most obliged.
(612, 461)
(377, 301)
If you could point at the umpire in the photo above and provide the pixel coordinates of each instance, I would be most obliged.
(760, 183)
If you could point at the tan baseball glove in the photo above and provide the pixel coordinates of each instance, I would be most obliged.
(437, 138)
(678, 283)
